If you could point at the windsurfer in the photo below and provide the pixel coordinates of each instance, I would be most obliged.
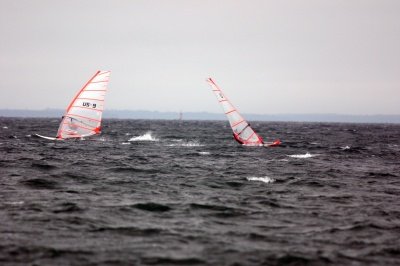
(97, 130)
(242, 131)
(236, 137)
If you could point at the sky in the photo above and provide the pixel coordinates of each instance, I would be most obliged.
(269, 57)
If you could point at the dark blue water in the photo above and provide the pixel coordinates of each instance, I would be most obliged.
(189, 195)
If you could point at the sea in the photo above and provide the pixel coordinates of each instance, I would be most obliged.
(165, 192)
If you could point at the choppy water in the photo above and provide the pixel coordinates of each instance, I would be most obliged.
(171, 193)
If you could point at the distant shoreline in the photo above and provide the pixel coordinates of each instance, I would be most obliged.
(140, 114)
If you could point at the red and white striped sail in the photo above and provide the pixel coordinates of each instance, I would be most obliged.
(242, 131)
(83, 115)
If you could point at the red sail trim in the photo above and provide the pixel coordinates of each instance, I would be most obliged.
(231, 111)
(89, 108)
(95, 90)
(90, 99)
(85, 117)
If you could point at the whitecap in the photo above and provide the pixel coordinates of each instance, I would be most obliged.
(14, 202)
(5, 127)
(204, 153)
(125, 143)
(345, 148)
(193, 143)
(264, 179)
(303, 156)
(146, 137)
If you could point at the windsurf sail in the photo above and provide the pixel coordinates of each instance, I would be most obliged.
(242, 131)
(83, 115)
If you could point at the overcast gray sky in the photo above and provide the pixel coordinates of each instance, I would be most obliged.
(269, 57)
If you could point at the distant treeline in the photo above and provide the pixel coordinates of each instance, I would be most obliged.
(128, 114)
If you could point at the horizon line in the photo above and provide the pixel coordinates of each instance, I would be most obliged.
(202, 112)
(207, 116)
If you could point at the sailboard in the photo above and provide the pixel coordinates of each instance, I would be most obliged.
(84, 114)
(242, 131)
(44, 137)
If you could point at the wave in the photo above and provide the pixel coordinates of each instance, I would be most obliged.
(40, 183)
(204, 153)
(146, 137)
(302, 156)
(264, 179)
(67, 207)
(152, 207)
(44, 166)
(192, 143)
(14, 202)
(130, 230)
(165, 260)
(220, 211)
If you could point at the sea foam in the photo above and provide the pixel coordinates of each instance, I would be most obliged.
(303, 156)
(146, 137)
(192, 143)
(264, 179)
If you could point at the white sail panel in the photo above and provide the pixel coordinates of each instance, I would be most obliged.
(84, 114)
(242, 131)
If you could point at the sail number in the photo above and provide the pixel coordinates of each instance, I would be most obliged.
(87, 104)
